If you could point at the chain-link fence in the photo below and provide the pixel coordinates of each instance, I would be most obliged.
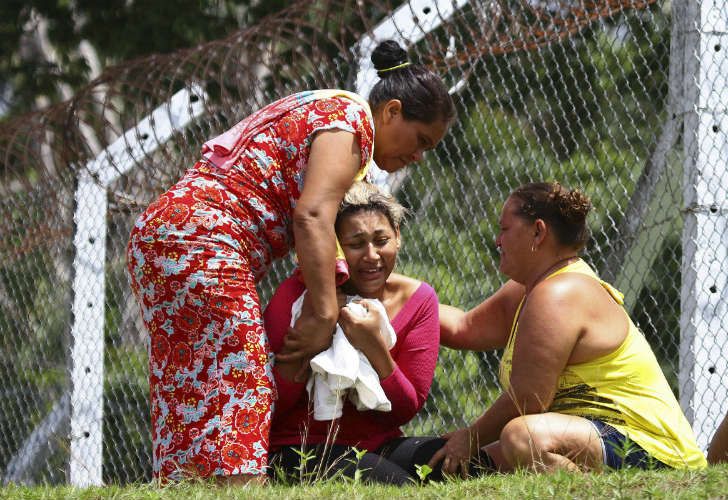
(625, 99)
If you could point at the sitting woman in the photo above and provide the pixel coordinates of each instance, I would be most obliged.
(367, 226)
(581, 386)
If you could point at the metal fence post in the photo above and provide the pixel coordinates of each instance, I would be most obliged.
(704, 294)
(87, 354)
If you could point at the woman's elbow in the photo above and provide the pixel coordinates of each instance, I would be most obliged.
(304, 217)
(403, 412)
(311, 224)
(399, 417)
(530, 403)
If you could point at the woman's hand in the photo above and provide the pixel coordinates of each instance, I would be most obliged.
(364, 334)
(309, 336)
(362, 331)
(305, 340)
(456, 453)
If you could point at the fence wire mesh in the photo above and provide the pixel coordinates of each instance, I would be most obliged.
(585, 93)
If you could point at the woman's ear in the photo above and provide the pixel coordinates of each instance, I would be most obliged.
(392, 108)
(540, 230)
(398, 238)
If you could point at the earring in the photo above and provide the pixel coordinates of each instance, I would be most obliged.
(533, 248)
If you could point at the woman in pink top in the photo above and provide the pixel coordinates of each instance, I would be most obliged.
(367, 226)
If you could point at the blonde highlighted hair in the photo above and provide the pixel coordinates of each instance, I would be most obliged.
(366, 197)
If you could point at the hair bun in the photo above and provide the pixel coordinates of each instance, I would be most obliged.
(573, 205)
(386, 56)
(564, 209)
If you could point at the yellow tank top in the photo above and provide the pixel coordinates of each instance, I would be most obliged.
(625, 388)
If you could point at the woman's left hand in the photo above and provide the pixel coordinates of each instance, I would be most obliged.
(364, 334)
(455, 455)
(362, 331)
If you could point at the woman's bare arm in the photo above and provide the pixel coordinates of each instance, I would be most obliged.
(484, 327)
(547, 332)
(333, 162)
(550, 325)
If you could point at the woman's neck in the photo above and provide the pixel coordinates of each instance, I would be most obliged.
(378, 294)
(556, 263)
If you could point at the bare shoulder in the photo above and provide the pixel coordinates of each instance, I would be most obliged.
(556, 314)
(508, 296)
(579, 303)
(568, 288)
(403, 285)
(577, 308)
(399, 291)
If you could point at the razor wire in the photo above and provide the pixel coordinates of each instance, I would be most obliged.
(598, 95)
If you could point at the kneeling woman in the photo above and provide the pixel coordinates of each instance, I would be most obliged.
(367, 227)
(581, 386)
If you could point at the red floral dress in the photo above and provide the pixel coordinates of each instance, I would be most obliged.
(195, 256)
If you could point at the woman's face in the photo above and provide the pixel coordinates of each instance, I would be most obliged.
(514, 240)
(370, 245)
(399, 142)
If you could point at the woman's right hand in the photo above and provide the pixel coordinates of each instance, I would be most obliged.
(456, 453)
(308, 337)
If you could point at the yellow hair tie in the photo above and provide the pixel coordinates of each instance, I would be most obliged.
(403, 65)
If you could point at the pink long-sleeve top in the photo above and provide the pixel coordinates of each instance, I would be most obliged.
(415, 355)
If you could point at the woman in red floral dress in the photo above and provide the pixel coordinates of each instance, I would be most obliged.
(197, 252)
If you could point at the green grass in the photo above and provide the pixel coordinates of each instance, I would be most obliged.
(709, 483)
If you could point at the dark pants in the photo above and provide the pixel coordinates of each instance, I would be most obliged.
(395, 462)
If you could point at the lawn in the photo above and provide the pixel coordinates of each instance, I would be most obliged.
(709, 483)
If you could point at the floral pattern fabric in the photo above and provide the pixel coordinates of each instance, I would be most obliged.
(195, 256)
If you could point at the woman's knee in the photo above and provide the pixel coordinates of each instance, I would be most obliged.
(519, 443)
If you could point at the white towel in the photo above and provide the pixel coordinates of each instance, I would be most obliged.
(343, 370)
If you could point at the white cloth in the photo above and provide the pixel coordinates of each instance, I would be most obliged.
(343, 370)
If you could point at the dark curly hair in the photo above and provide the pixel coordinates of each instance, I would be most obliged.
(563, 209)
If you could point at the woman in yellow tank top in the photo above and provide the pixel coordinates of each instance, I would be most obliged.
(581, 386)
